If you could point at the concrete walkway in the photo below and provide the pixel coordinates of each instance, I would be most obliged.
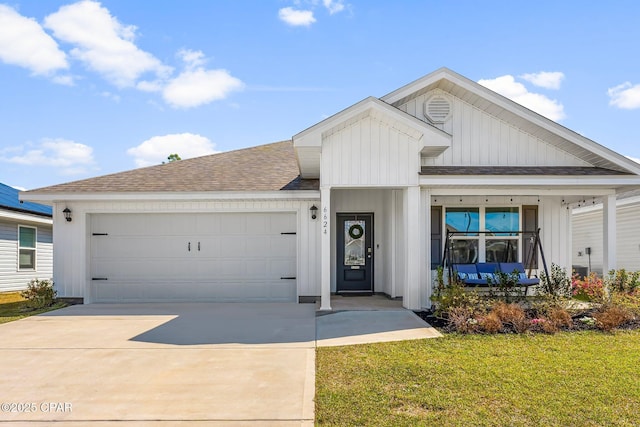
(179, 364)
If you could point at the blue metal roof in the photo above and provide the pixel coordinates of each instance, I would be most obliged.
(9, 200)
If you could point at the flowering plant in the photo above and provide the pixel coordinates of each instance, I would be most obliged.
(591, 288)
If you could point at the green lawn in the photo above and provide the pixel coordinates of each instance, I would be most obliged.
(568, 379)
(12, 307)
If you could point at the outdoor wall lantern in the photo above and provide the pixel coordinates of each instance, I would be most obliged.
(314, 212)
(67, 214)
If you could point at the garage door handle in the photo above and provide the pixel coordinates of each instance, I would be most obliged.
(198, 246)
(189, 246)
(288, 278)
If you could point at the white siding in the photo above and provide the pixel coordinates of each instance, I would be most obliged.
(72, 255)
(369, 152)
(10, 278)
(484, 140)
(588, 232)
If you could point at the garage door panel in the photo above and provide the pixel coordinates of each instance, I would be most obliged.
(241, 257)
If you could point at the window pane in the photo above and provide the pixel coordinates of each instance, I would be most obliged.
(505, 250)
(354, 233)
(27, 237)
(466, 220)
(502, 219)
(27, 259)
(464, 251)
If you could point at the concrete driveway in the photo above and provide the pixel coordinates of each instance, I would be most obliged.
(172, 364)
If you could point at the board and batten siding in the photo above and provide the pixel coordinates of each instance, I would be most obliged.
(11, 279)
(71, 266)
(588, 233)
(480, 139)
(369, 152)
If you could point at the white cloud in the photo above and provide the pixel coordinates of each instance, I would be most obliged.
(155, 150)
(197, 86)
(625, 96)
(333, 6)
(517, 92)
(23, 42)
(296, 18)
(545, 79)
(69, 157)
(103, 43)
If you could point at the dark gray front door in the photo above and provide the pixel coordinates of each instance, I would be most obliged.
(355, 253)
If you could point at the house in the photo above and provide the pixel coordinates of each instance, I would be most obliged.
(277, 222)
(586, 222)
(26, 246)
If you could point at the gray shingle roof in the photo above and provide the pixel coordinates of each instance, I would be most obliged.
(518, 170)
(270, 167)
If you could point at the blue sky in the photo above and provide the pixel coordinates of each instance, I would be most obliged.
(90, 88)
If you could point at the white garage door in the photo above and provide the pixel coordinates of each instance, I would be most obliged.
(193, 257)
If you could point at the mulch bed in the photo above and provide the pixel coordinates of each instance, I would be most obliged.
(445, 327)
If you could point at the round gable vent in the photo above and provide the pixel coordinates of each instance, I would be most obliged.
(437, 108)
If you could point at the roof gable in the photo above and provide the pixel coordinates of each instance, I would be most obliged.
(308, 143)
(509, 111)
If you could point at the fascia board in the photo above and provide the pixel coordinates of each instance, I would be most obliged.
(221, 195)
(18, 216)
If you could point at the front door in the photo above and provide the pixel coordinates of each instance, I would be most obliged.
(355, 253)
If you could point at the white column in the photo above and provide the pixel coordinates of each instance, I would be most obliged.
(609, 259)
(413, 253)
(425, 242)
(325, 249)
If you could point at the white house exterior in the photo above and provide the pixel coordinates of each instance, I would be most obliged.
(26, 249)
(588, 247)
(388, 176)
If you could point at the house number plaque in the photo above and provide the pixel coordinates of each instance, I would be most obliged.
(325, 220)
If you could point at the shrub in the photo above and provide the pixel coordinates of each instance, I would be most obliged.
(591, 288)
(512, 314)
(453, 296)
(462, 320)
(507, 285)
(555, 286)
(621, 281)
(610, 317)
(628, 300)
(39, 294)
(491, 323)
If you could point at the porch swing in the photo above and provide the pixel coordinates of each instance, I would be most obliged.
(481, 274)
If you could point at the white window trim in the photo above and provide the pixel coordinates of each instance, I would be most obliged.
(34, 249)
(482, 238)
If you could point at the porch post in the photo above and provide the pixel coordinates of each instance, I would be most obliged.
(325, 248)
(413, 253)
(609, 259)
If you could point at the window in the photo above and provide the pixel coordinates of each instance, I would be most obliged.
(500, 241)
(26, 248)
(500, 245)
(465, 243)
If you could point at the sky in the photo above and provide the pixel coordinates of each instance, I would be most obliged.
(90, 88)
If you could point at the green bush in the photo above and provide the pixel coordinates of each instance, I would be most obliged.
(557, 285)
(454, 296)
(39, 294)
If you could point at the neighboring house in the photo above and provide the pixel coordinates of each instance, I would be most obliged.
(277, 222)
(587, 220)
(26, 247)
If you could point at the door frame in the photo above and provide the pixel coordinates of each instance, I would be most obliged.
(339, 261)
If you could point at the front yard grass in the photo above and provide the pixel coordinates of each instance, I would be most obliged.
(13, 307)
(568, 379)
